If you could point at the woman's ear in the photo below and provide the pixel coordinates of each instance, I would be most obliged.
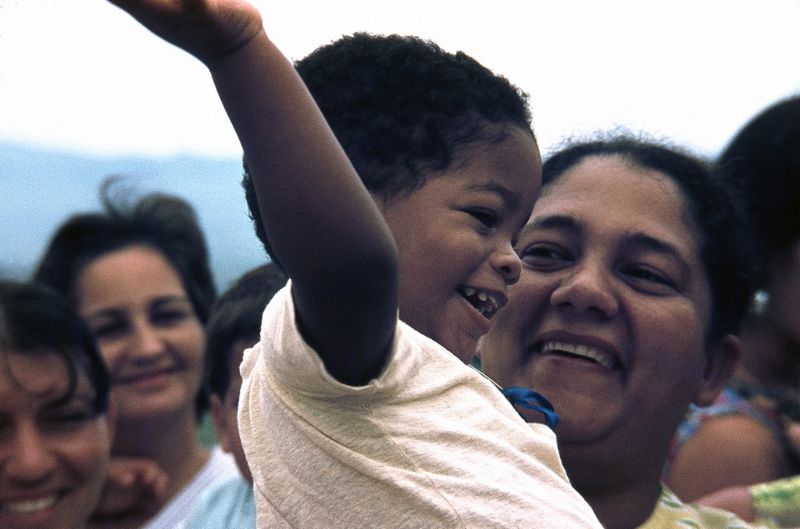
(722, 359)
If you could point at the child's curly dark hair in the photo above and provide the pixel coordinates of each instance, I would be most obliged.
(402, 107)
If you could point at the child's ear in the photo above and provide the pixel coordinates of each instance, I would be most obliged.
(220, 419)
(722, 359)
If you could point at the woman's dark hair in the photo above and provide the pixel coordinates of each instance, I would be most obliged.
(165, 223)
(402, 108)
(35, 319)
(722, 236)
(236, 315)
(762, 161)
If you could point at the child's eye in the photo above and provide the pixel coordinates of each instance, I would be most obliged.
(486, 217)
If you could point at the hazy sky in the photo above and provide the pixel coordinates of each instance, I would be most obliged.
(82, 75)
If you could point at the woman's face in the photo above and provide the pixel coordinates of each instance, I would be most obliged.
(53, 452)
(146, 329)
(610, 315)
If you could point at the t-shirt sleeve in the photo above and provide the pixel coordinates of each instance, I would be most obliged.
(289, 362)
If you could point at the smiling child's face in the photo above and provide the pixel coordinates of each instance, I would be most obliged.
(454, 236)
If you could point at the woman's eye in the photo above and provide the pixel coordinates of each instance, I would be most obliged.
(649, 276)
(486, 217)
(542, 255)
(66, 420)
(169, 316)
(109, 329)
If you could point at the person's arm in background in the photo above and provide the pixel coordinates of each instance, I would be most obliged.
(776, 503)
(751, 455)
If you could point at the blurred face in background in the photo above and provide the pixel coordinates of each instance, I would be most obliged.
(54, 446)
(224, 410)
(146, 329)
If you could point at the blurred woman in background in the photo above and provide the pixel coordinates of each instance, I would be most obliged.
(56, 426)
(138, 274)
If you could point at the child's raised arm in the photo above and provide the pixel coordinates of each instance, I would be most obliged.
(323, 225)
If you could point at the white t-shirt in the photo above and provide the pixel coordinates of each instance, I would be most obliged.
(430, 443)
(219, 467)
(229, 505)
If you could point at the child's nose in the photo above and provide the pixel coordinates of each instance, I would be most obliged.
(506, 262)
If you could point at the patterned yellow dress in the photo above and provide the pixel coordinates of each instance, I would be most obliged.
(672, 513)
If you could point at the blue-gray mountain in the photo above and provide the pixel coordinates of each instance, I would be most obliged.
(41, 187)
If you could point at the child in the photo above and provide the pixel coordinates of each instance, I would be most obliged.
(350, 418)
(233, 326)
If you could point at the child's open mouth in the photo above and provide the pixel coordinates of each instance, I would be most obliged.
(484, 302)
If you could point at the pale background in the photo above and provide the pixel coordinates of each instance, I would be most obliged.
(81, 74)
(79, 78)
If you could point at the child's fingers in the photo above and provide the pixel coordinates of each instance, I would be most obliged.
(164, 7)
(144, 6)
(206, 29)
(153, 477)
(159, 487)
(152, 487)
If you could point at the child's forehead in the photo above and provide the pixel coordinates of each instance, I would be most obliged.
(509, 166)
(483, 136)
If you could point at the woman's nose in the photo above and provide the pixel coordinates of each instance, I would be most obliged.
(147, 340)
(587, 289)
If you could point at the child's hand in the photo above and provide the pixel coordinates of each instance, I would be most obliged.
(208, 29)
(132, 486)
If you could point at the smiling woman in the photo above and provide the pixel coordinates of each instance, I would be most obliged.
(55, 432)
(633, 277)
(138, 274)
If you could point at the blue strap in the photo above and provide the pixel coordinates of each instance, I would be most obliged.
(527, 398)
